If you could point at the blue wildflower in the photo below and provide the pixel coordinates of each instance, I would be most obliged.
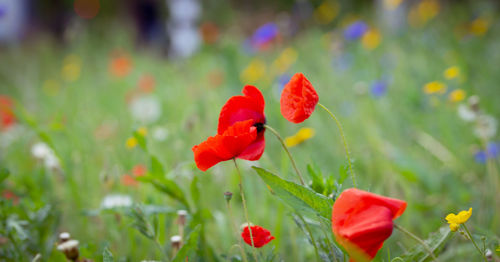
(378, 88)
(355, 30)
(283, 80)
(492, 149)
(264, 35)
(3, 11)
(480, 157)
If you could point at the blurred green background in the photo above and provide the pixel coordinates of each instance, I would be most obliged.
(77, 83)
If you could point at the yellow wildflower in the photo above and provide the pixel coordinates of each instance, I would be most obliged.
(371, 39)
(479, 26)
(392, 4)
(423, 12)
(460, 218)
(253, 72)
(131, 142)
(51, 87)
(457, 95)
(71, 68)
(326, 12)
(302, 135)
(452, 72)
(285, 60)
(142, 131)
(434, 87)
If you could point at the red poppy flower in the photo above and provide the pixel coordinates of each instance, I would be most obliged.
(139, 170)
(120, 65)
(129, 180)
(261, 236)
(240, 133)
(250, 106)
(232, 143)
(7, 117)
(298, 99)
(361, 221)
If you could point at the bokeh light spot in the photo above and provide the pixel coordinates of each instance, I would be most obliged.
(87, 9)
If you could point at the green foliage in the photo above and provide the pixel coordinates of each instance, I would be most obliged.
(297, 196)
(107, 256)
(189, 246)
(435, 242)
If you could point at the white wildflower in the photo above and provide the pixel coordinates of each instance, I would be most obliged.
(116, 201)
(466, 113)
(146, 109)
(160, 133)
(67, 245)
(486, 127)
(40, 150)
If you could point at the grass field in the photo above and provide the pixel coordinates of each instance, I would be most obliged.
(405, 143)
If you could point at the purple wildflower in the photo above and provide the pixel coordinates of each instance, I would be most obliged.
(492, 149)
(379, 88)
(264, 35)
(355, 30)
(480, 157)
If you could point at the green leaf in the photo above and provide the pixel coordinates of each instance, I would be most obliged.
(343, 172)
(435, 242)
(297, 196)
(166, 186)
(4, 173)
(189, 246)
(156, 167)
(107, 256)
(317, 179)
(141, 140)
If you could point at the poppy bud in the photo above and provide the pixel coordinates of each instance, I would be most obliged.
(176, 242)
(181, 217)
(228, 195)
(63, 237)
(70, 249)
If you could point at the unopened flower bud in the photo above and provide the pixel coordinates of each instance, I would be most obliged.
(63, 237)
(70, 249)
(181, 217)
(488, 254)
(176, 242)
(473, 102)
(228, 195)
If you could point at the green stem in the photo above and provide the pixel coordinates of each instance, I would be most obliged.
(235, 229)
(474, 242)
(411, 235)
(242, 193)
(288, 152)
(311, 235)
(343, 140)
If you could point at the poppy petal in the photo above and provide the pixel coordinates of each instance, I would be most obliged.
(240, 108)
(362, 221)
(226, 146)
(298, 99)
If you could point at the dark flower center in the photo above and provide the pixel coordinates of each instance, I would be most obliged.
(260, 127)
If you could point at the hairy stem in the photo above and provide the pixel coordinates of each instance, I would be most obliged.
(242, 193)
(341, 131)
(287, 151)
(474, 242)
(411, 235)
(235, 229)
